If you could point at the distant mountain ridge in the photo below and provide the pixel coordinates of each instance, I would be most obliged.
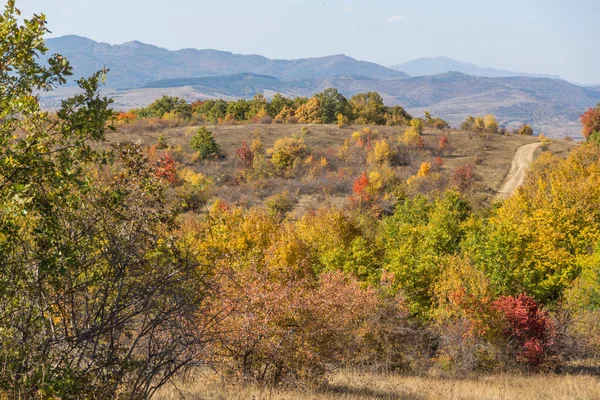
(438, 65)
(133, 64)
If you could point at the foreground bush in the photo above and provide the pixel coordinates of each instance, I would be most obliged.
(288, 328)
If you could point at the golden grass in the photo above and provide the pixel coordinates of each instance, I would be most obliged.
(355, 386)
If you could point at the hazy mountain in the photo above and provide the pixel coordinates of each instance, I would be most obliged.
(134, 64)
(440, 65)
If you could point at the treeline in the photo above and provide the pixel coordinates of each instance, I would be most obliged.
(489, 124)
(327, 107)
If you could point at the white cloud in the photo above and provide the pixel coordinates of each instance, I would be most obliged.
(349, 9)
(398, 19)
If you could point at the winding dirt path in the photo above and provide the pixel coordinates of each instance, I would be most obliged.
(520, 163)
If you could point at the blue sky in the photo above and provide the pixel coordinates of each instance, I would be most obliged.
(540, 36)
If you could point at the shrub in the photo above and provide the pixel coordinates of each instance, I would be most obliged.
(165, 168)
(280, 204)
(342, 121)
(204, 143)
(528, 330)
(359, 188)
(443, 143)
(126, 118)
(286, 330)
(161, 142)
(246, 155)
(412, 135)
(382, 152)
(287, 151)
(194, 191)
(490, 123)
(463, 177)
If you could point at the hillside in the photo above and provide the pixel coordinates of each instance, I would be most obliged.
(134, 64)
(439, 65)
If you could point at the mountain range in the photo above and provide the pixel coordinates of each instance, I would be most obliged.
(134, 64)
(439, 65)
(139, 73)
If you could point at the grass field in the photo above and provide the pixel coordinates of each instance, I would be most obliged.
(490, 153)
(358, 386)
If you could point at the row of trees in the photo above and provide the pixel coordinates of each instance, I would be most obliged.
(489, 124)
(327, 107)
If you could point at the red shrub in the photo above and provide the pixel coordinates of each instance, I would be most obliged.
(165, 168)
(463, 177)
(528, 329)
(245, 155)
(359, 188)
(443, 143)
(438, 162)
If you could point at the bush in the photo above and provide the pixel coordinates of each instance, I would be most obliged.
(526, 130)
(280, 204)
(528, 330)
(288, 330)
(287, 151)
(382, 152)
(161, 142)
(204, 143)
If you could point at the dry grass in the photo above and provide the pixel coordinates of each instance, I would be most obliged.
(355, 386)
(490, 153)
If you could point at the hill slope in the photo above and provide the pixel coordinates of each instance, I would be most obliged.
(134, 64)
(439, 65)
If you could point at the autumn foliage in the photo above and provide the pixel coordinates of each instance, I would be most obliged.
(528, 330)
(590, 121)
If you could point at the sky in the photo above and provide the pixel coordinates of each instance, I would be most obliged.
(536, 36)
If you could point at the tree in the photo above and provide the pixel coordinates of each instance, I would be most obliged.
(491, 124)
(238, 109)
(310, 112)
(591, 121)
(258, 105)
(397, 116)
(204, 143)
(98, 293)
(332, 104)
(166, 105)
(213, 110)
(278, 103)
(368, 108)
(526, 130)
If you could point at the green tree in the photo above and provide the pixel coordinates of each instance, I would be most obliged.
(368, 108)
(165, 105)
(213, 110)
(332, 104)
(239, 109)
(90, 272)
(204, 143)
(417, 237)
(278, 103)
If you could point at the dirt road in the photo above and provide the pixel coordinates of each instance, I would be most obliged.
(520, 163)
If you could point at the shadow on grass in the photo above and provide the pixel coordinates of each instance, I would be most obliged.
(368, 393)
